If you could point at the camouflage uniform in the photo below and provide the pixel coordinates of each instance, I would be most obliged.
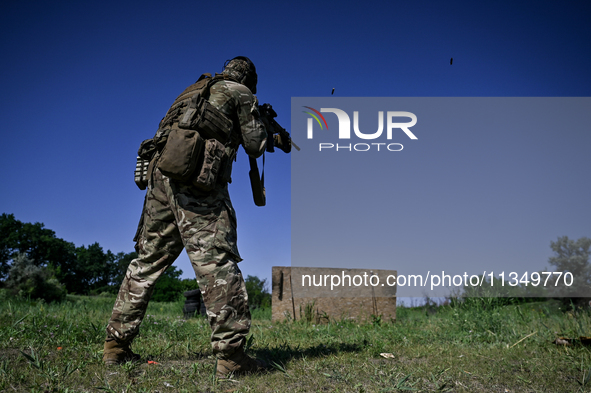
(177, 215)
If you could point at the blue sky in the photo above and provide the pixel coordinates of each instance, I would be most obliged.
(84, 83)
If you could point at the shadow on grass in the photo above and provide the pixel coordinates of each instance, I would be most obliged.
(285, 353)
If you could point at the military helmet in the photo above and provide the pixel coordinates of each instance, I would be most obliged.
(242, 70)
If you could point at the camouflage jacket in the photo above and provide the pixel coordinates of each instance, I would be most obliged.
(241, 106)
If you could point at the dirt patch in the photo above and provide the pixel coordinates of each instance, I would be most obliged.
(9, 353)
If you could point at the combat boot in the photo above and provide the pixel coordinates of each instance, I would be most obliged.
(239, 363)
(118, 352)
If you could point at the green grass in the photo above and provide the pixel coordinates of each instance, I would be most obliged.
(472, 347)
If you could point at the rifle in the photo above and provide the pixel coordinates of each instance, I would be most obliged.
(276, 136)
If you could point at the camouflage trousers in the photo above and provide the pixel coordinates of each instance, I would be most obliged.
(177, 216)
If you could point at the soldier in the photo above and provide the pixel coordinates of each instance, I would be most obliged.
(178, 214)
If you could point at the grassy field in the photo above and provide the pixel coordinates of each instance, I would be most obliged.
(472, 348)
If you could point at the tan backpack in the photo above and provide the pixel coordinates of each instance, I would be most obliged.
(189, 145)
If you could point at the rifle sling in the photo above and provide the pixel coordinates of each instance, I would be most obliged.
(257, 183)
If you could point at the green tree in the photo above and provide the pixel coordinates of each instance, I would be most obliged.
(572, 256)
(258, 295)
(39, 243)
(189, 284)
(82, 269)
(94, 270)
(37, 282)
(122, 261)
(169, 287)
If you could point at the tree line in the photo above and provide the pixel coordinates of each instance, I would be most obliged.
(82, 270)
(34, 262)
